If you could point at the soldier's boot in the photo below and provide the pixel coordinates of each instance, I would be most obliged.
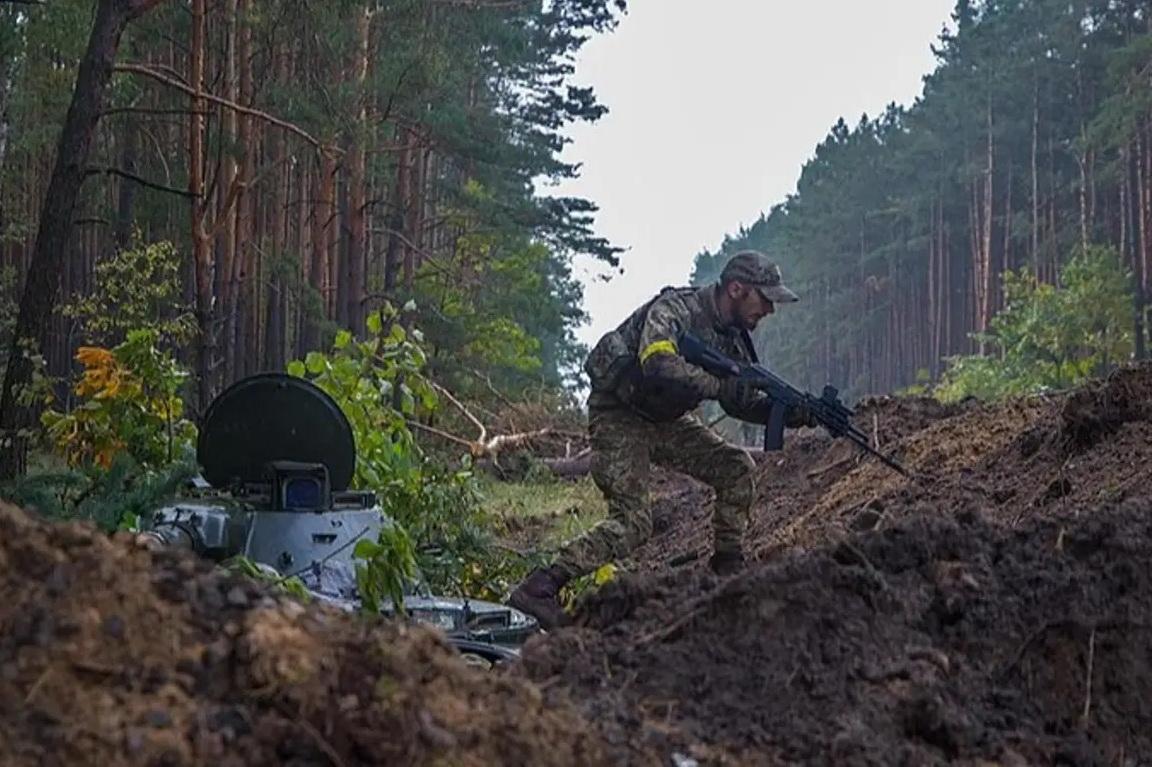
(727, 562)
(539, 596)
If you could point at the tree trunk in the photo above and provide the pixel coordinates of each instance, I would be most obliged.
(126, 194)
(228, 286)
(274, 322)
(396, 255)
(357, 185)
(986, 245)
(201, 242)
(1005, 261)
(245, 197)
(1140, 254)
(42, 284)
(321, 222)
(1035, 181)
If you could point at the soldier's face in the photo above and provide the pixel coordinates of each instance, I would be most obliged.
(749, 307)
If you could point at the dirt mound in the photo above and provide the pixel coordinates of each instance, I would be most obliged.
(1015, 460)
(941, 639)
(1100, 409)
(114, 655)
(992, 609)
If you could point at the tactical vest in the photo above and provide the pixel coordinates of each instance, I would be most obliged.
(614, 371)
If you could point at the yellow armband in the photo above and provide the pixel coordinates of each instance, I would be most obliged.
(658, 347)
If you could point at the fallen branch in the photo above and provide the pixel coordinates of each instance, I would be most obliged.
(825, 469)
(464, 412)
(575, 466)
(490, 448)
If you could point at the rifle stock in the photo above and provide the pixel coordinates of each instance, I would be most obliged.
(827, 409)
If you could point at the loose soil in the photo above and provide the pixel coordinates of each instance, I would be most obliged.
(111, 654)
(994, 609)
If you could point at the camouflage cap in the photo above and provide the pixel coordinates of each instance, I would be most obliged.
(754, 268)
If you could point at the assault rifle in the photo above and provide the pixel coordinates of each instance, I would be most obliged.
(827, 409)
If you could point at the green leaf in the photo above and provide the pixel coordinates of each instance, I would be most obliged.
(296, 368)
(343, 338)
(374, 324)
(315, 362)
(366, 549)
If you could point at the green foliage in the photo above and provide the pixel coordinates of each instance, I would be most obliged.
(388, 565)
(114, 498)
(578, 588)
(504, 305)
(244, 566)
(379, 384)
(1047, 336)
(136, 289)
(129, 403)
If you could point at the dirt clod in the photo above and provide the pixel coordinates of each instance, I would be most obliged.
(115, 655)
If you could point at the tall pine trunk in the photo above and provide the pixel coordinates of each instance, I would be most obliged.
(201, 242)
(357, 185)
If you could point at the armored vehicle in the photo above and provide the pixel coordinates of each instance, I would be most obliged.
(277, 456)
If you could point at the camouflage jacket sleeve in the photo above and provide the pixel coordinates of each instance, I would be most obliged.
(659, 354)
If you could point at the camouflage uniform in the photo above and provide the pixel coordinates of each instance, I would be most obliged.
(639, 409)
(639, 412)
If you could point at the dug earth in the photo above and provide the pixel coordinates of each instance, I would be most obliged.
(994, 609)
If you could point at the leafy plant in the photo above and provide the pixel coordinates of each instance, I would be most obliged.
(379, 384)
(245, 566)
(114, 498)
(130, 403)
(138, 288)
(1050, 336)
(578, 587)
(388, 566)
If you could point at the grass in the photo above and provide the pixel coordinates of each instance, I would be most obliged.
(543, 513)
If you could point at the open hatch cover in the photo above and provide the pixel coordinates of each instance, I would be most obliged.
(274, 417)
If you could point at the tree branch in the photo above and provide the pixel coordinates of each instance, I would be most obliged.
(160, 78)
(482, 438)
(150, 111)
(138, 180)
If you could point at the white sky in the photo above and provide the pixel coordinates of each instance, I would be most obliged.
(714, 107)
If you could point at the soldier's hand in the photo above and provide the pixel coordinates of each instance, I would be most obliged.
(799, 416)
(731, 390)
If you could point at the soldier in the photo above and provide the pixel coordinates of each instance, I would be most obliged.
(639, 409)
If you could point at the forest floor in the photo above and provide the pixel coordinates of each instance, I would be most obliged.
(992, 610)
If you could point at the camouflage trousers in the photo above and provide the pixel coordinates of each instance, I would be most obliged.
(624, 446)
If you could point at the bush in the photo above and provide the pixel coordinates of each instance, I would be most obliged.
(129, 403)
(113, 498)
(1049, 336)
(136, 289)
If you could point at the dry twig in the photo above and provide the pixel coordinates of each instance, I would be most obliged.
(1088, 682)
